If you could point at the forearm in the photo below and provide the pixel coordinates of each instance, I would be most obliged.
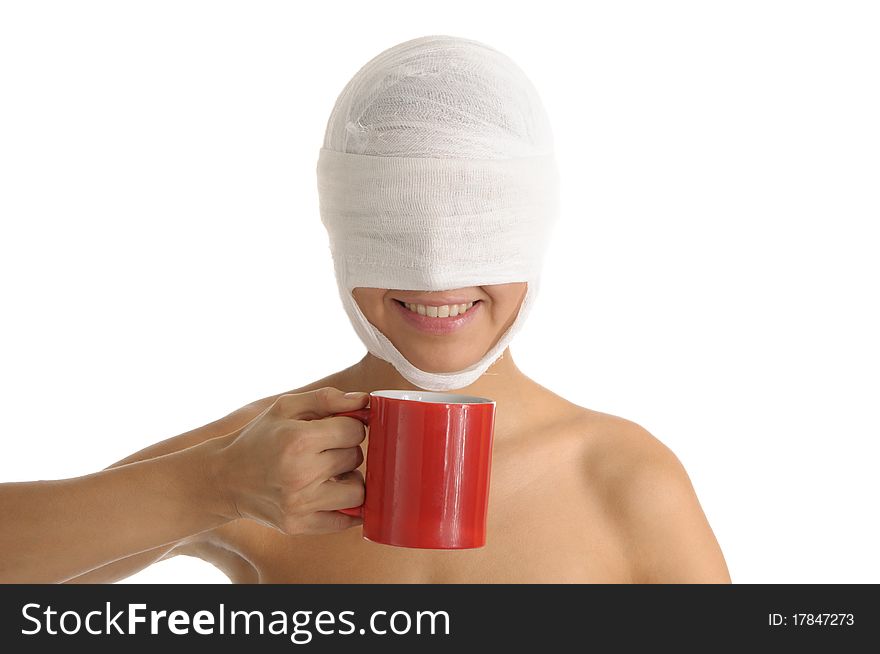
(51, 531)
(124, 567)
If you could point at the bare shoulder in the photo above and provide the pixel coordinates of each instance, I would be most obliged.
(651, 501)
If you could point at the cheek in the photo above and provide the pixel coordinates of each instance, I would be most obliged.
(383, 309)
(372, 306)
(504, 307)
(501, 304)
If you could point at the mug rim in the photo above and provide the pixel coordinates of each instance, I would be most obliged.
(433, 397)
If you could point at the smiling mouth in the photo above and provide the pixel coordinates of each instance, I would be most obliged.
(439, 312)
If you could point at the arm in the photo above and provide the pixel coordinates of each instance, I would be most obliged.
(133, 563)
(54, 530)
(279, 505)
(660, 518)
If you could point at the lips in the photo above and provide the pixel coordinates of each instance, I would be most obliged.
(439, 326)
(436, 300)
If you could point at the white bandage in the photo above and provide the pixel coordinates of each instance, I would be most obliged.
(437, 172)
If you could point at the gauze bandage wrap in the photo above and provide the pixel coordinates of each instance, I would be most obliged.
(437, 172)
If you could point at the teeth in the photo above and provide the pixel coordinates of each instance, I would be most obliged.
(447, 310)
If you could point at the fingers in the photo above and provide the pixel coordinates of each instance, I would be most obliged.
(319, 435)
(343, 492)
(337, 432)
(317, 403)
(342, 460)
(355, 477)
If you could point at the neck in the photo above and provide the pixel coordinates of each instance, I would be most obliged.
(501, 381)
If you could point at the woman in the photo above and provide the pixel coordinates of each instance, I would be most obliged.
(436, 175)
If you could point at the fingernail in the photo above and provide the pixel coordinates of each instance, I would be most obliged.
(355, 394)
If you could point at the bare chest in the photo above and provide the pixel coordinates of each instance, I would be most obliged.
(547, 523)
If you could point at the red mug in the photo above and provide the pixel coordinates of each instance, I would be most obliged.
(428, 461)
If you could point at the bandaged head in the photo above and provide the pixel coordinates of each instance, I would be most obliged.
(437, 172)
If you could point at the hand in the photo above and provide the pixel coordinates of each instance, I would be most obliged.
(295, 464)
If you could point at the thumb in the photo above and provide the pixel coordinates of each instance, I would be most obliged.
(318, 403)
(355, 399)
(331, 400)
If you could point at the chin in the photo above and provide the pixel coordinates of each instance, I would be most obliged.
(438, 362)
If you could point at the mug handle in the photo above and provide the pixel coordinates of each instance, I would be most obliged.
(364, 416)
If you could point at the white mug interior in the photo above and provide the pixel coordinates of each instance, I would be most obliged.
(433, 397)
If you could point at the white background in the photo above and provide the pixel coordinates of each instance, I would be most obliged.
(713, 275)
